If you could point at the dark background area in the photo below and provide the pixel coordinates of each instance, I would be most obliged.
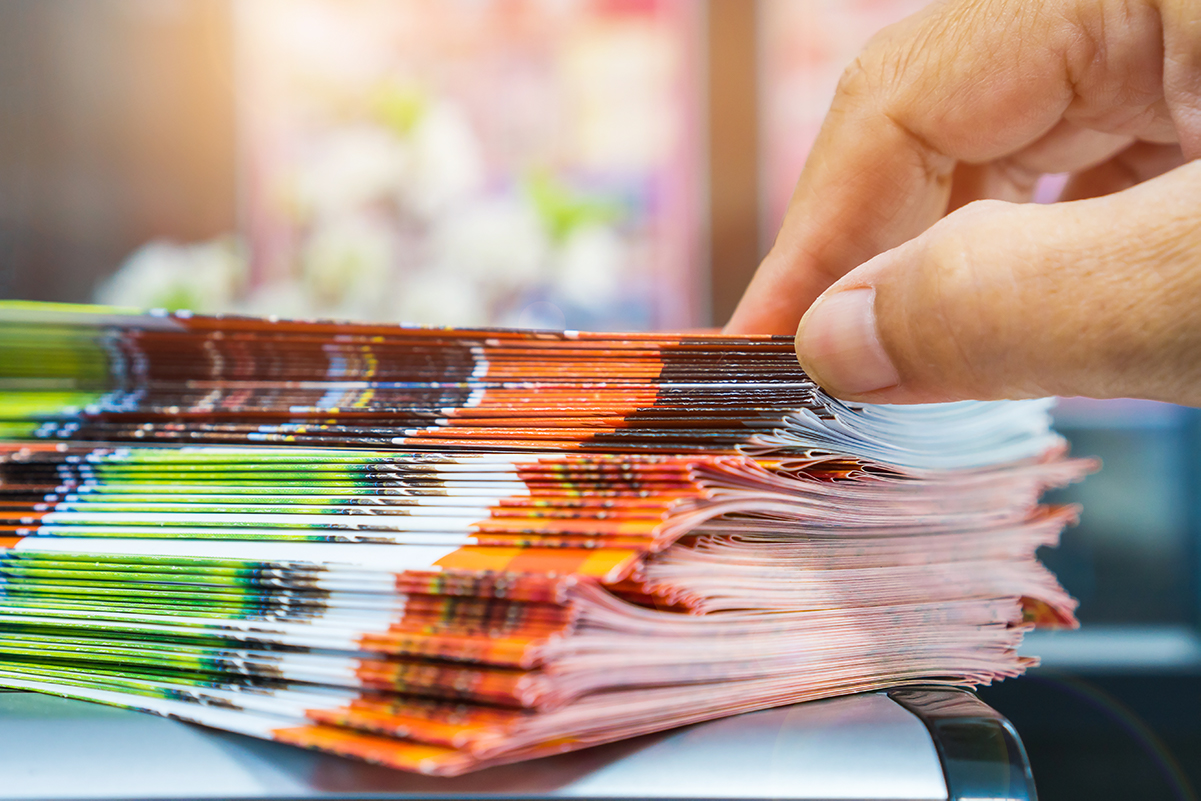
(1102, 736)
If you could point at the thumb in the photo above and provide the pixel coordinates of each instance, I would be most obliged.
(1099, 297)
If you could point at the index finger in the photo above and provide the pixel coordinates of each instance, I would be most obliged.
(960, 81)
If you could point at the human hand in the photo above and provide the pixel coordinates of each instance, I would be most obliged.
(1099, 295)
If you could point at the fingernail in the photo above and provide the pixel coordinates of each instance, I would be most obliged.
(839, 347)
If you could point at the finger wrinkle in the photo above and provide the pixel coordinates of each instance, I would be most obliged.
(937, 166)
(938, 43)
(1114, 57)
(1086, 52)
(963, 274)
(975, 276)
(1182, 70)
(1150, 120)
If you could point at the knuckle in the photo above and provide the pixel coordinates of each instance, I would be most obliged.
(961, 324)
(949, 264)
(859, 81)
(877, 73)
(903, 64)
(956, 243)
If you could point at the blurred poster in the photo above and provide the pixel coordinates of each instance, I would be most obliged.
(804, 46)
(471, 162)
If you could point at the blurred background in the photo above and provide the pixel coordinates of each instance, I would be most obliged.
(596, 164)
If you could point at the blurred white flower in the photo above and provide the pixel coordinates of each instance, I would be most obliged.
(589, 266)
(346, 264)
(447, 163)
(440, 298)
(351, 167)
(499, 241)
(202, 277)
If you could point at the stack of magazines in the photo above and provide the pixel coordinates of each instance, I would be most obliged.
(442, 549)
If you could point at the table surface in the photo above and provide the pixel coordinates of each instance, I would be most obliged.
(857, 747)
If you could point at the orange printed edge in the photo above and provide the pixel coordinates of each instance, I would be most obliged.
(603, 564)
(378, 749)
